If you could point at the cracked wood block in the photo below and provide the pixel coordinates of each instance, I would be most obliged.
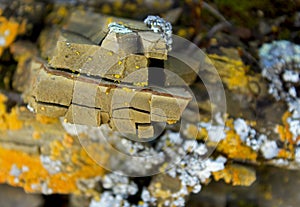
(122, 44)
(142, 39)
(93, 60)
(168, 108)
(47, 109)
(154, 46)
(83, 115)
(83, 22)
(48, 89)
(145, 131)
(124, 126)
(102, 84)
(124, 97)
(50, 36)
(131, 114)
(87, 101)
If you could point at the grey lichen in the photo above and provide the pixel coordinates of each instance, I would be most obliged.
(118, 28)
(280, 62)
(159, 25)
(52, 166)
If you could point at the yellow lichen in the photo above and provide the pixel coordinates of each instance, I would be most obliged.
(171, 121)
(45, 119)
(284, 131)
(68, 141)
(232, 71)
(36, 135)
(79, 165)
(234, 147)
(286, 154)
(62, 182)
(186, 32)
(9, 29)
(142, 84)
(117, 76)
(3, 99)
(287, 138)
(58, 15)
(57, 149)
(236, 174)
(193, 132)
(8, 120)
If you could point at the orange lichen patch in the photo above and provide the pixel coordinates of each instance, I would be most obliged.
(186, 32)
(193, 132)
(8, 121)
(68, 141)
(20, 159)
(236, 175)
(3, 99)
(286, 154)
(36, 174)
(36, 135)
(163, 194)
(57, 149)
(234, 147)
(288, 151)
(232, 71)
(159, 191)
(45, 119)
(66, 182)
(284, 131)
(58, 15)
(9, 29)
(12, 120)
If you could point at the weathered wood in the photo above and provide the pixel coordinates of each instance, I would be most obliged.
(83, 22)
(93, 60)
(84, 101)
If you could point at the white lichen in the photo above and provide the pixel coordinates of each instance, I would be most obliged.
(216, 133)
(297, 155)
(118, 28)
(269, 149)
(15, 171)
(52, 166)
(119, 184)
(241, 128)
(159, 25)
